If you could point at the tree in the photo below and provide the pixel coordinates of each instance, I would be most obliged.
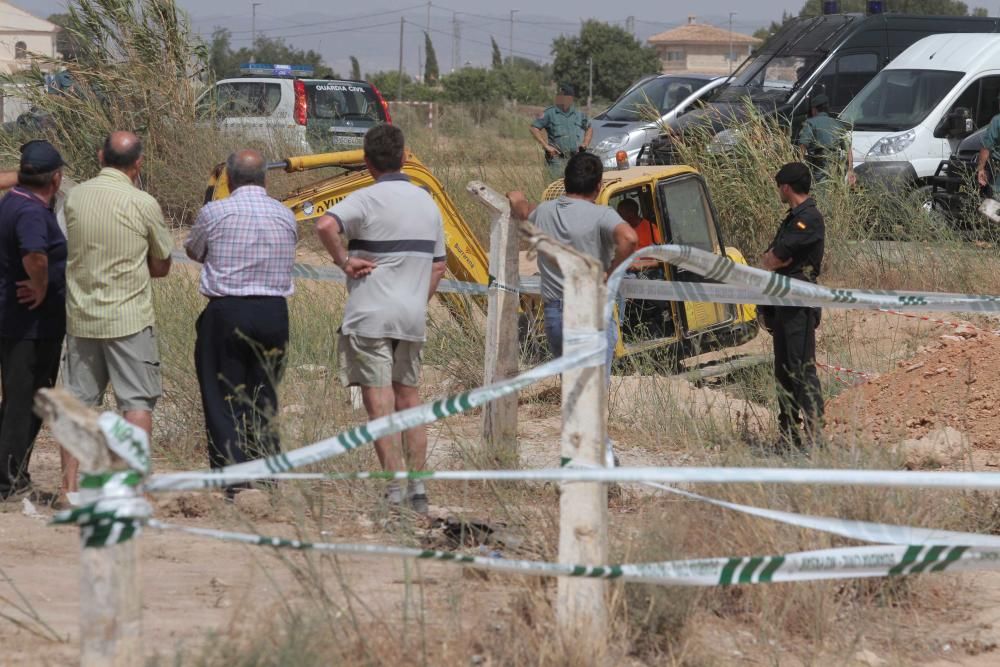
(932, 7)
(66, 42)
(497, 57)
(221, 59)
(226, 63)
(431, 72)
(619, 59)
(355, 69)
(388, 84)
(763, 33)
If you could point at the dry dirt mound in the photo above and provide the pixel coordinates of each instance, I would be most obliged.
(953, 383)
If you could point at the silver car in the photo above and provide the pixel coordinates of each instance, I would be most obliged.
(629, 123)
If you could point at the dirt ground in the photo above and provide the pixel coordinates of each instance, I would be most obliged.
(192, 587)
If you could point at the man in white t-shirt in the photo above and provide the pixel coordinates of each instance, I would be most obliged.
(394, 260)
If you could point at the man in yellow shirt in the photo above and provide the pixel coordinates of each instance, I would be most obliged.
(118, 241)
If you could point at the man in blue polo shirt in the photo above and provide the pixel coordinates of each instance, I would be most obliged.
(32, 306)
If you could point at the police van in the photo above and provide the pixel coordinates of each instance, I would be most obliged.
(917, 111)
(285, 107)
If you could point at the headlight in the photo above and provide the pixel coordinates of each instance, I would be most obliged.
(725, 140)
(893, 145)
(614, 142)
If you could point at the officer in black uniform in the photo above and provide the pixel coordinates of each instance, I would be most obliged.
(797, 252)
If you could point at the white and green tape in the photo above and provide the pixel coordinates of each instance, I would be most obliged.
(984, 481)
(843, 563)
(743, 285)
(586, 353)
(111, 511)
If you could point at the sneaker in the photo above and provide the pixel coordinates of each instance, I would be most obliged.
(394, 494)
(610, 457)
(416, 497)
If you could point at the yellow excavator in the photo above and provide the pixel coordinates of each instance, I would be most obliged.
(674, 198)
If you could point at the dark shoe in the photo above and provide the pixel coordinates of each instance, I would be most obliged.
(233, 489)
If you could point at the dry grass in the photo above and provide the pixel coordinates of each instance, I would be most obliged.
(327, 622)
(500, 620)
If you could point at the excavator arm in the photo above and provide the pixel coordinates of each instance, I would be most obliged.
(467, 259)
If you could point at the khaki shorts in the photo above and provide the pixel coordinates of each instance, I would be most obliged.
(379, 362)
(131, 364)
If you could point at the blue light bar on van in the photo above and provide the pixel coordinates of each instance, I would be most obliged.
(266, 69)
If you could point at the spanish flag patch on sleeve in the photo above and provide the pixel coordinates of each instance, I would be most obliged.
(800, 224)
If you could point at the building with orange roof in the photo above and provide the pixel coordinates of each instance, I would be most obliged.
(699, 48)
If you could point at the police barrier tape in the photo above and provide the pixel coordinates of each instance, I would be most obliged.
(850, 371)
(913, 479)
(745, 285)
(843, 563)
(956, 325)
(581, 349)
(589, 350)
(865, 531)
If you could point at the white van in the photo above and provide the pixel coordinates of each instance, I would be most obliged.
(917, 110)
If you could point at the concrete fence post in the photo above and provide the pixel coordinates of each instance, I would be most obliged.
(581, 609)
(502, 346)
(110, 602)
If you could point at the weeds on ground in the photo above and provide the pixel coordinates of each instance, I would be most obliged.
(877, 236)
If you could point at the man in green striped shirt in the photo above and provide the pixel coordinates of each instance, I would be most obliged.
(118, 241)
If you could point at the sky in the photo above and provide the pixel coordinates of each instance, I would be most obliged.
(370, 30)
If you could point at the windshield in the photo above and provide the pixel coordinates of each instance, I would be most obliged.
(899, 99)
(652, 99)
(767, 77)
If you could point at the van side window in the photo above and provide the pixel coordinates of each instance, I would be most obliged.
(980, 98)
(988, 96)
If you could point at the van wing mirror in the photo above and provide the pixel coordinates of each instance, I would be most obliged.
(957, 124)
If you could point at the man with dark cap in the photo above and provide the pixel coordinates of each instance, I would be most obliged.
(796, 252)
(32, 306)
(562, 130)
(823, 139)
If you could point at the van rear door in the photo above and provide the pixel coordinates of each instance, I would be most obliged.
(339, 113)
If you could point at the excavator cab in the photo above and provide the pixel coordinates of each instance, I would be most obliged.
(673, 198)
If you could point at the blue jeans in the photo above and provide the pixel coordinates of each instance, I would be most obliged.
(553, 311)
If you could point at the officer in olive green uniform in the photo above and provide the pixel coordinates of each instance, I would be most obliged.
(562, 130)
(989, 157)
(823, 139)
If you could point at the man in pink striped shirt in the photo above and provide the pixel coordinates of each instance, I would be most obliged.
(246, 244)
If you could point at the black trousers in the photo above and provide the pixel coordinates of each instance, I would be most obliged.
(25, 367)
(799, 395)
(239, 355)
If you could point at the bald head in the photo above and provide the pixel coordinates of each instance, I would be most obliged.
(121, 150)
(246, 167)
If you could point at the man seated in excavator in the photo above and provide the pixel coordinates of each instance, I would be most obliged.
(651, 318)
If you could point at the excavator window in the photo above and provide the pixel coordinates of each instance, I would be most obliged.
(643, 320)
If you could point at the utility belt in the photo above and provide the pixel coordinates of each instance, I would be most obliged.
(768, 316)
